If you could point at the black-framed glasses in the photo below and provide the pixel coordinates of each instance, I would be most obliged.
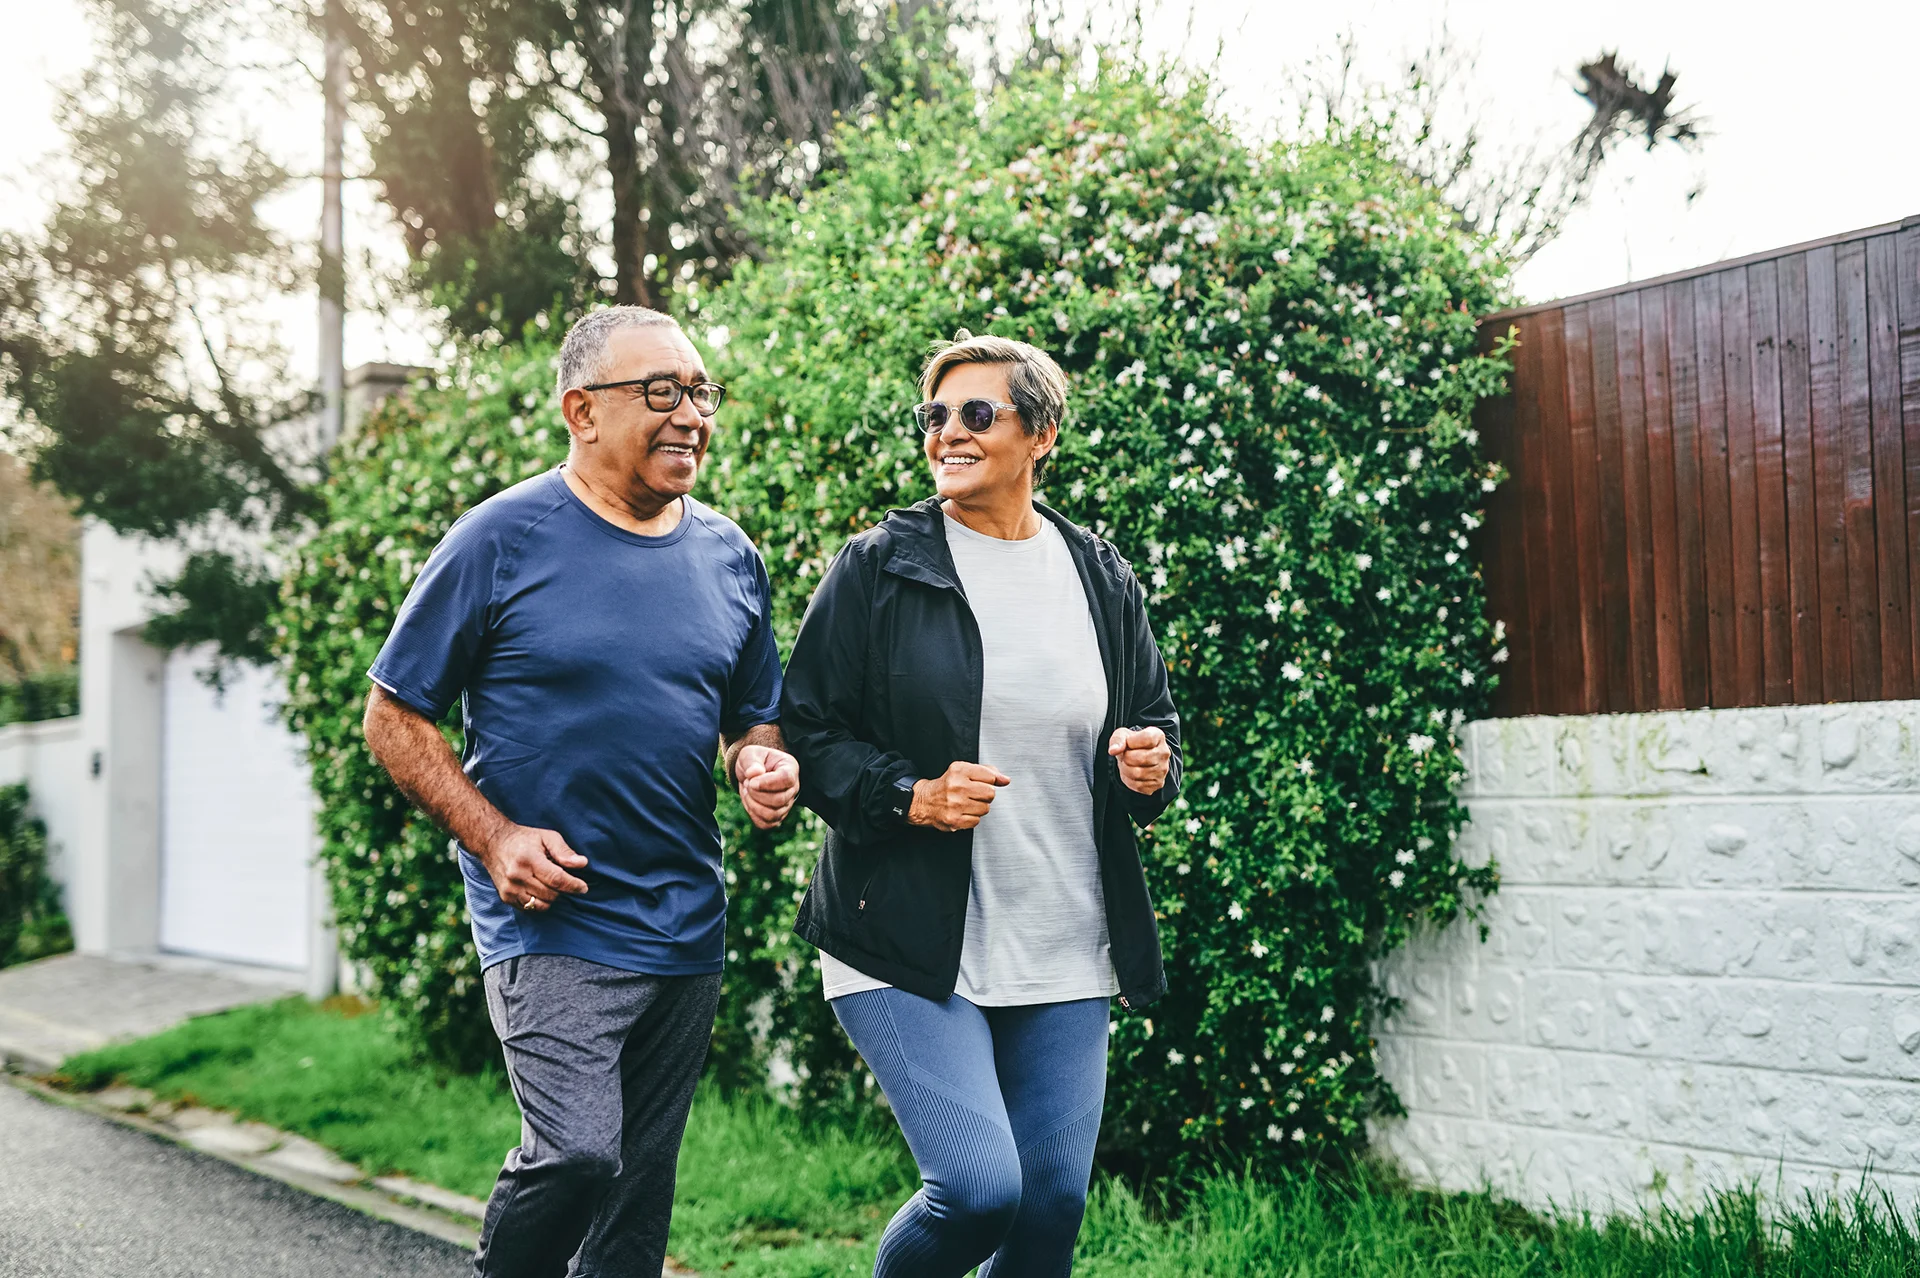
(976, 415)
(663, 394)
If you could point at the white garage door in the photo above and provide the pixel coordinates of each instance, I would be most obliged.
(236, 821)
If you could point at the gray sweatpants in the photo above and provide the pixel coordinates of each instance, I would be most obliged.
(603, 1063)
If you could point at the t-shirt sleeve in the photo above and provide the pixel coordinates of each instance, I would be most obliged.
(753, 694)
(440, 628)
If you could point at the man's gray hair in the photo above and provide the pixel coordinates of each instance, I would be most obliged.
(583, 356)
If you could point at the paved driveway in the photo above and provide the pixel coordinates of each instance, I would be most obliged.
(83, 1198)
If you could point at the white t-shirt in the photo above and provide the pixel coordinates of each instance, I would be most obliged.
(1036, 927)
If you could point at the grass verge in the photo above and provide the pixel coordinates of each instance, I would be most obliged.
(764, 1195)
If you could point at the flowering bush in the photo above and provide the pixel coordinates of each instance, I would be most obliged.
(1273, 363)
(395, 487)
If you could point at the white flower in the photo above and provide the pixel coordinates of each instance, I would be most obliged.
(1313, 392)
(1060, 320)
(1486, 485)
(1326, 1014)
(1246, 1103)
(1396, 878)
(1135, 372)
(1175, 1058)
(1235, 913)
(1499, 631)
(985, 295)
(1193, 825)
(1291, 672)
(1226, 375)
(1466, 678)
(1286, 580)
(1183, 868)
(1419, 743)
(1500, 656)
(1383, 594)
(1452, 557)
(1363, 562)
(1273, 1129)
(1305, 766)
(1258, 950)
(1274, 608)
(1423, 843)
(1299, 1134)
(1189, 392)
(1163, 275)
(1404, 856)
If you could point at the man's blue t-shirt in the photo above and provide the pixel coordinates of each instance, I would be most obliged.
(597, 669)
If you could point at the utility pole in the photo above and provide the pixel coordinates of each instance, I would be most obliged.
(333, 270)
(323, 952)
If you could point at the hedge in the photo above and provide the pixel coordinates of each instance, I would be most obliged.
(1273, 363)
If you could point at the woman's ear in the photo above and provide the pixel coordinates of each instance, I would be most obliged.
(1045, 441)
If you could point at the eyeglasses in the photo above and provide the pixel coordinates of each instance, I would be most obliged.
(977, 415)
(663, 394)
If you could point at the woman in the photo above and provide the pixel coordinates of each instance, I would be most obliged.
(978, 708)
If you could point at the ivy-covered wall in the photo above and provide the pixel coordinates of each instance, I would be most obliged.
(1273, 364)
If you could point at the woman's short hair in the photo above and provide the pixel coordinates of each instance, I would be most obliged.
(1035, 383)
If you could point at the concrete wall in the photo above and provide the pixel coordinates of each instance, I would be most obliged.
(50, 757)
(1703, 967)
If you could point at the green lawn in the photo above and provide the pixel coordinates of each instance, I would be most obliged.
(763, 1195)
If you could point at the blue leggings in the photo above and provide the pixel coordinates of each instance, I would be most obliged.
(1000, 1106)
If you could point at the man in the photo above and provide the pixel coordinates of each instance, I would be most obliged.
(602, 630)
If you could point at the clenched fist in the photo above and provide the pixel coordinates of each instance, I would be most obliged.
(957, 798)
(1143, 754)
(529, 866)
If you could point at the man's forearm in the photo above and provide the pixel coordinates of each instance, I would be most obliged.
(761, 734)
(423, 765)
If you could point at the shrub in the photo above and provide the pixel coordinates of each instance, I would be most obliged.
(51, 694)
(1274, 361)
(32, 924)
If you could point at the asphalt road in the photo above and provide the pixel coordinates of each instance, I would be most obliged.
(81, 1197)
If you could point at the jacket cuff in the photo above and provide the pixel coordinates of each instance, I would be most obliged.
(889, 801)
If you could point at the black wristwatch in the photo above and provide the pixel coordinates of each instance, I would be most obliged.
(903, 795)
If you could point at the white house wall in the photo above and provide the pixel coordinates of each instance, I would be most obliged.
(49, 757)
(1703, 964)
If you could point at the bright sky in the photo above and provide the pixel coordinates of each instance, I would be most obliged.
(1804, 108)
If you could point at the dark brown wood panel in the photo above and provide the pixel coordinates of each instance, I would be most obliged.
(1616, 609)
(1770, 485)
(1742, 490)
(1715, 494)
(1889, 465)
(1662, 519)
(1829, 474)
(1716, 518)
(1643, 649)
(1856, 435)
(1796, 422)
(1908, 281)
(1684, 407)
(1498, 542)
(1567, 659)
(1540, 551)
(1585, 457)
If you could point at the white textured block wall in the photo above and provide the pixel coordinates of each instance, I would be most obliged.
(1703, 965)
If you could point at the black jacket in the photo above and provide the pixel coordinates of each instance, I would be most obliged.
(884, 688)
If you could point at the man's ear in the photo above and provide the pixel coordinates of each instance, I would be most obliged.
(576, 407)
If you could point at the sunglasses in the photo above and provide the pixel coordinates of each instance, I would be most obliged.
(976, 415)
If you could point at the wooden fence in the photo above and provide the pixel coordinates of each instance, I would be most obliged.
(1715, 486)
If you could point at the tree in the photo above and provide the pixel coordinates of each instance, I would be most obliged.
(488, 120)
(39, 576)
(139, 389)
(1429, 122)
